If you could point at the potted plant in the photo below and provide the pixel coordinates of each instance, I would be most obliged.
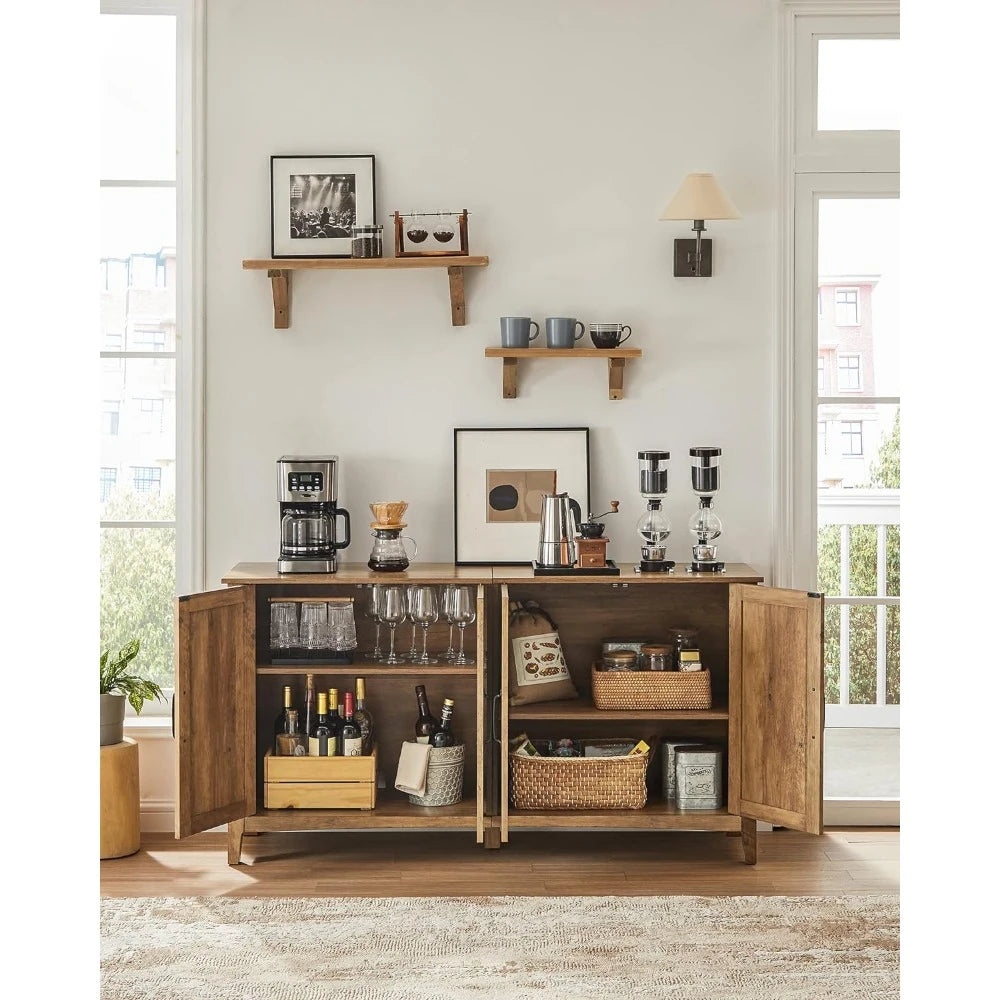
(117, 684)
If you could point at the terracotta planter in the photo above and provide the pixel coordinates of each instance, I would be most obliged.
(112, 718)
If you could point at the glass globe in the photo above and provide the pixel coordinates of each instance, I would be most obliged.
(705, 525)
(653, 528)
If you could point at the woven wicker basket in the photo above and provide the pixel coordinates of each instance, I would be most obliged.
(651, 690)
(578, 782)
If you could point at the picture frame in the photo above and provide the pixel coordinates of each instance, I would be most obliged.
(432, 226)
(316, 198)
(499, 475)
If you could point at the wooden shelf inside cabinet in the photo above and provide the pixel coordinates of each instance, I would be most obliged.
(388, 814)
(583, 710)
(279, 270)
(657, 815)
(616, 359)
(370, 670)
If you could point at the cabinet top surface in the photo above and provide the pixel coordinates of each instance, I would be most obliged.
(264, 573)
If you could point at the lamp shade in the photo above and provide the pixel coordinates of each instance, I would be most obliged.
(700, 197)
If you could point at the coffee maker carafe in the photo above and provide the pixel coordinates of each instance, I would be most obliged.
(307, 501)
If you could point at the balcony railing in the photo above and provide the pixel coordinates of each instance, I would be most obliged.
(845, 509)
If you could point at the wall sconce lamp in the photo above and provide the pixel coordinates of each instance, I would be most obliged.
(698, 198)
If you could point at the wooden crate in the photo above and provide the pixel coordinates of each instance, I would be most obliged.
(320, 782)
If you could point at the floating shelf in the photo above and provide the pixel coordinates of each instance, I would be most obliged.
(616, 359)
(279, 270)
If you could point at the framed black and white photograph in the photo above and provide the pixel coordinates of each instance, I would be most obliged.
(316, 199)
(501, 475)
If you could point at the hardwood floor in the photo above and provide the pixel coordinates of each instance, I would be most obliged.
(534, 864)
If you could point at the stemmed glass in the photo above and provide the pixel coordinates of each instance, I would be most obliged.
(392, 612)
(413, 654)
(447, 596)
(425, 613)
(372, 602)
(463, 613)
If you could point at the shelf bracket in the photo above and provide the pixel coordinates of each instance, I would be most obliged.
(281, 284)
(456, 289)
(510, 378)
(616, 378)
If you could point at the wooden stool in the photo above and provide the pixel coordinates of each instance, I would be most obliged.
(119, 799)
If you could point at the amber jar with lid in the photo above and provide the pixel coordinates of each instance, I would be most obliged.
(619, 659)
(657, 656)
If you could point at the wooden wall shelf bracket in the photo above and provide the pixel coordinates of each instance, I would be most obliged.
(616, 363)
(279, 270)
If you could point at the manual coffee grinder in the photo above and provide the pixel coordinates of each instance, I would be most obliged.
(704, 524)
(654, 526)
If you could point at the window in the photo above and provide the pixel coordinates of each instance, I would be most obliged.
(139, 309)
(109, 424)
(149, 338)
(845, 306)
(850, 437)
(146, 479)
(819, 302)
(109, 476)
(858, 84)
(849, 372)
(821, 375)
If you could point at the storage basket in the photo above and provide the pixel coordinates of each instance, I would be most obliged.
(445, 775)
(578, 782)
(651, 690)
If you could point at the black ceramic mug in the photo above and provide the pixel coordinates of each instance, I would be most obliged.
(609, 335)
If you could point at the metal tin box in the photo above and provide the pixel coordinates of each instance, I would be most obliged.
(670, 765)
(700, 777)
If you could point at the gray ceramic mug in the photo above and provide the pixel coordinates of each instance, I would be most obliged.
(560, 331)
(515, 331)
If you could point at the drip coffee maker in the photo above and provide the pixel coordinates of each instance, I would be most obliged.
(704, 524)
(389, 551)
(653, 526)
(307, 502)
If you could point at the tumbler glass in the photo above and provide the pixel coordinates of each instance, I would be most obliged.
(313, 630)
(284, 625)
(343, 631)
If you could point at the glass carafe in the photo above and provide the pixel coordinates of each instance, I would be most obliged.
(306, 531)
(389, 551)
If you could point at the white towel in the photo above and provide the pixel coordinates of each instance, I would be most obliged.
(411, 775)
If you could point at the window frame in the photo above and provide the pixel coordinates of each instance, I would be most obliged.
(841, 368)
(847, 431)
(836, 304)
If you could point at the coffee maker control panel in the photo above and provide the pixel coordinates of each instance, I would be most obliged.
(305, 482)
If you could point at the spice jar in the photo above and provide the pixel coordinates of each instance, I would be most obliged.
(619, 659)
(366, 241)
(684, 638)
(657, 656)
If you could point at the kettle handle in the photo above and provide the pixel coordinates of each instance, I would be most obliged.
(347, 528)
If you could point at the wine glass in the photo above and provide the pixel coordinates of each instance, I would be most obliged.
(463, 612)
(372, 614)
(413, 653)
(447, 598)
(425, 614)
(392, 612)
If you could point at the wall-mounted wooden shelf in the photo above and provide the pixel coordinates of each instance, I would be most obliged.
(616, 359)
(280, 272)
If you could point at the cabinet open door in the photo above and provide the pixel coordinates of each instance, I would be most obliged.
(214, 709)
(776, 706)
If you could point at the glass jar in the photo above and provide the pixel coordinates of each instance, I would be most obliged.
(619, 659)
(657, 656)
(684, 638)
(366, 241)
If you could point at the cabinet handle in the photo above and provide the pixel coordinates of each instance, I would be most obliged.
(494, 723)
(173, 716)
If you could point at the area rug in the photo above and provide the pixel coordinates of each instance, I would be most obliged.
(495, 948)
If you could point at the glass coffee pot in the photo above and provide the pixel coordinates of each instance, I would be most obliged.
(389, 551)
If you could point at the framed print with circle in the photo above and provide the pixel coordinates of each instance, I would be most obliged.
(501, 474)
(316, 199)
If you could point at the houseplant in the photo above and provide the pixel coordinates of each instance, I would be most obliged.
(119, 683)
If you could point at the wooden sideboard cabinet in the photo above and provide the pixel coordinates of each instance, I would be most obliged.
(228, 695)
(763, 647)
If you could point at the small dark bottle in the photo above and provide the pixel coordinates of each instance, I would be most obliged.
(308, 717)
(441, 735)
(425, 721)
(350, 732)
(281, 722)
(322, 742)
(333, 717)
(363, 718)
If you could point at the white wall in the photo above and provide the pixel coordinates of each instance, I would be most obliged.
(564, 126)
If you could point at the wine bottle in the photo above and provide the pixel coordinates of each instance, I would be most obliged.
(363, 718)
(309, 714)
(350, 732)
(281, 722)
(333, 712)
(425, 721)
(321, 741)
(441, 735)
(293, 743)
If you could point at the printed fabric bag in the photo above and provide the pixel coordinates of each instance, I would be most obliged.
(540, 672)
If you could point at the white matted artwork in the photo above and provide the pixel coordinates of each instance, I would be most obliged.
(501, 473)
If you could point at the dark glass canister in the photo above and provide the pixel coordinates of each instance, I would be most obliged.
(683, 638)
(366, 241)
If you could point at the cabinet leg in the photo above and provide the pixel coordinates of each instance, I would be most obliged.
(491, 838)
(748, 834)
(236, 829)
